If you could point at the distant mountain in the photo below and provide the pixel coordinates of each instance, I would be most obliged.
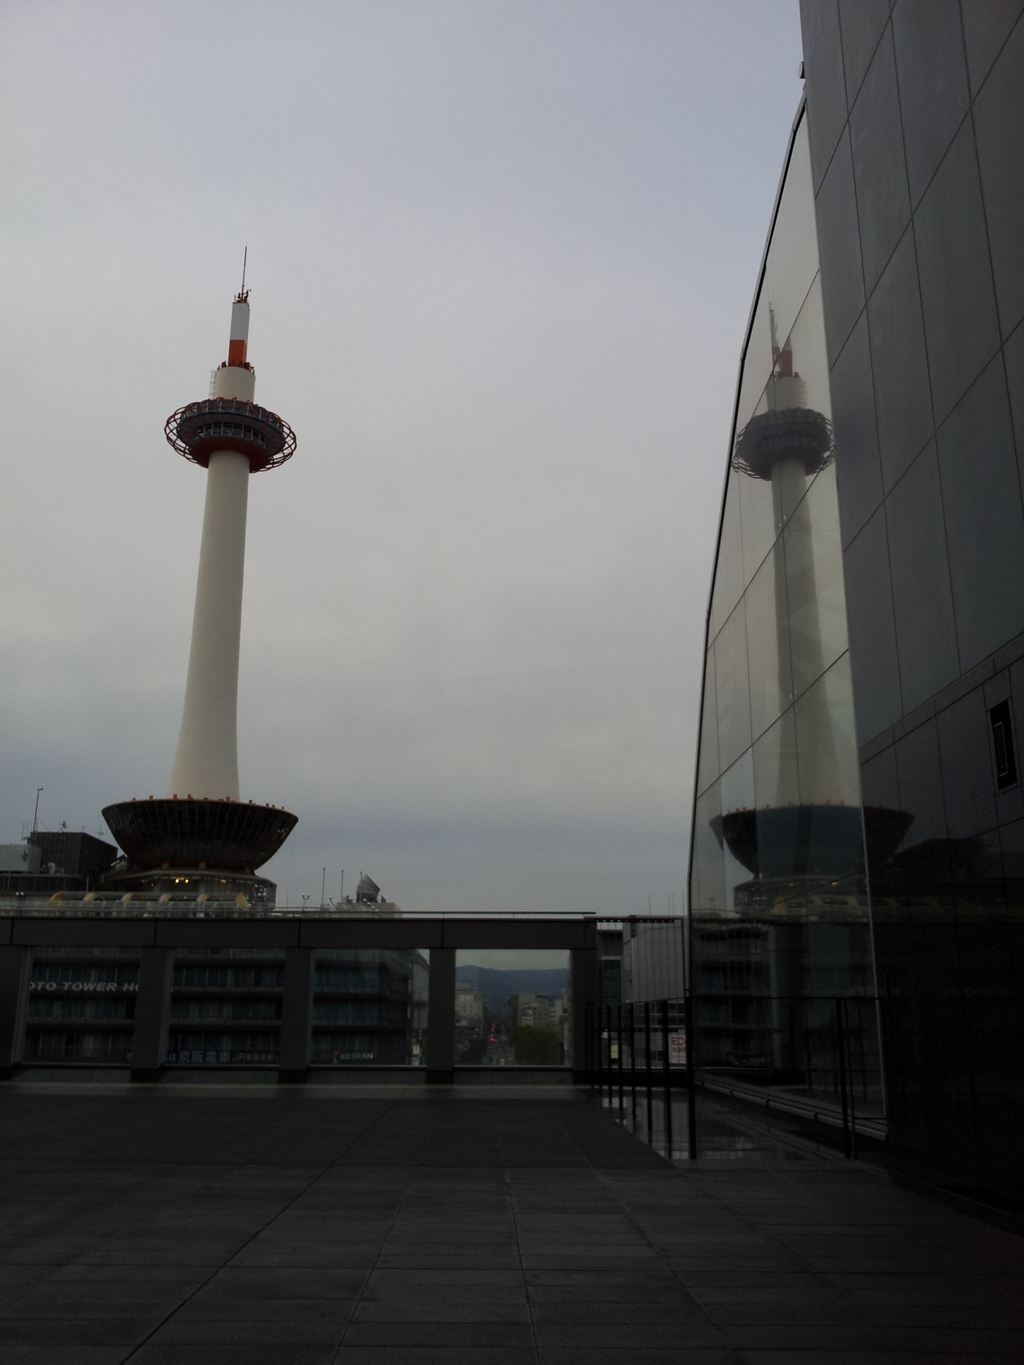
(496, 986)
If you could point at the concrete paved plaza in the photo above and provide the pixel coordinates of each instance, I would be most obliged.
(216, 1225)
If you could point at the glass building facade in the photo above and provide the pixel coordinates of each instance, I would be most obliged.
(865, 656)
(369, 1007)
(779, 917)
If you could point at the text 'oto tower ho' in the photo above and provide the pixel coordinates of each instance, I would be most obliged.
(201, 838)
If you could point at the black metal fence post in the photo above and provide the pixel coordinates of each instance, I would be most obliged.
(691, 1085)
(849, 1072)
(632, 1061)
(841, 1060)
(622, 1078)
(606, 1051)
(666, 1069)
(647, 1071)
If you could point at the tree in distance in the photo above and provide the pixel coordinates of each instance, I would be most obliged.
(536, 1046)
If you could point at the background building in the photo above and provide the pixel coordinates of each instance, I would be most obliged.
(472, 1018)
(52, 861)
(653, 960)
(859, 822)
(532, 1010)
(369, 1007)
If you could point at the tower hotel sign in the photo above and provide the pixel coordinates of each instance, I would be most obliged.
(92, 987)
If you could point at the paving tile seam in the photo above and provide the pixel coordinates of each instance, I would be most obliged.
(354, 1138)
(604, 1180)
(406, 1196)
(777, 1249)
(526, 1290)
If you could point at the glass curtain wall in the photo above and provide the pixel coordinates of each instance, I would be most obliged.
(226, 1007)
(370, 1007)
(778, 910)
(81, 1005)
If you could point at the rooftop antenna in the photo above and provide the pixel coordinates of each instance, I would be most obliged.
(245, 261)
(35, 817)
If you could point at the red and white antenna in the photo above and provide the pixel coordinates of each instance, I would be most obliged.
(239, 340)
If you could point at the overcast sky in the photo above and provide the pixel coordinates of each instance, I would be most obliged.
(501, 255)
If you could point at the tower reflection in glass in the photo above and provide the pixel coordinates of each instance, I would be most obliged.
(779, 917)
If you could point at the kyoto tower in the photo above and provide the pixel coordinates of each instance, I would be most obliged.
(201, 839)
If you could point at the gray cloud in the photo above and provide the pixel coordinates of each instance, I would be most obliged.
(501, 257)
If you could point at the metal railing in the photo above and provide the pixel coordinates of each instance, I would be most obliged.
(642, 1046)
(814, 1057)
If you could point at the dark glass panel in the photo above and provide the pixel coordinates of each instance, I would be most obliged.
(933, 82)
(999, 130)
(899, 364)
(825, 84)
(1008, 687)
(815, 591)
(968, 778)
(733, 693)
(1013, 358)
(825, 740)
(1011, 840)
(876, 679)
(984, 522)
(728, 561)
(737, 789)
(806, 342)
(883, 199)
(707, 888)
(858, 471)
(790, 270)
(883, 828)
(987, 25)
(982, 923)
(737, 784)
(707, 761)
(839, 247)
(922, 596)
(861, 22)
(776, 767)
(1016, 696)
(922, 863)
(771, 678)
(758, 519)
(960, 322)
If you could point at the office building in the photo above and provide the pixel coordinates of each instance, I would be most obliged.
(859, 820)
(368, 1007)
(54, 862)
(653, 960)
(531, 1009)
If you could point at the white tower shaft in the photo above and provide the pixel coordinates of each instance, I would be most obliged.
(206, 761)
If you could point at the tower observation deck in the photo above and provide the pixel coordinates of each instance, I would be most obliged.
(201, 833)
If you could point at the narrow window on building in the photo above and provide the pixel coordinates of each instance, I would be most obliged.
(1002, 739)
